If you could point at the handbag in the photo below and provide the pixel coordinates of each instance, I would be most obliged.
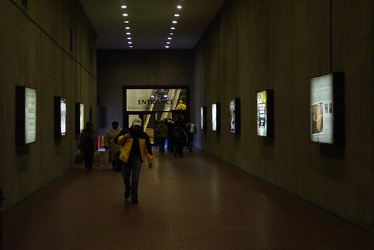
(96, 158)
(78, 158)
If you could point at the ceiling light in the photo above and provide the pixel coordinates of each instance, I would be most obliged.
(129, 38)
(127, 27)
(128, 33)
(176, 15)
(179, 6)
(123, 6)
(125, 14)
(167, 42)
(173, 28)
(169, 38)
(171, 33)
(174, 21)
(167, 46)
(125, 21)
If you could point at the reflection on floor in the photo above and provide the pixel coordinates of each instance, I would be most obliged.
(194, 202)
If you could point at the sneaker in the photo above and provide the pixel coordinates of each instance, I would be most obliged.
(127, 194)
(134, 200)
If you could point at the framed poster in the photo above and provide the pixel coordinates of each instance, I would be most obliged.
(327, 108)
(234, 110)
(216, 116)
(60, 117)
(79, 118)
(265, 113)
(203, 117)
(26, 107)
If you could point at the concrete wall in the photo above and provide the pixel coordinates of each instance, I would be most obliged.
(118, 68)
(49, 46)
(254, 45)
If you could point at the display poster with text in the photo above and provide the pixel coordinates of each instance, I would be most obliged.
(322, 109)
(30, 115)
(262, 113)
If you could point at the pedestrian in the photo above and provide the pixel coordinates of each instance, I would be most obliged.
(134, 147)
(190, 130)
(88, 144)
(170, 125)
(111, 145)
(162, 132)
(179, 139)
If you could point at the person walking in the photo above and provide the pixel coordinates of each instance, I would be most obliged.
(162, 132)
(170, 125)
(179, 139)
(111, 145)
(88, 144)
(190, 130)
(134, 147)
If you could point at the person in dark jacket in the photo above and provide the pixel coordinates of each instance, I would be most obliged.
(179, 139)
(88, 144)
(134, 147)
(162, 132)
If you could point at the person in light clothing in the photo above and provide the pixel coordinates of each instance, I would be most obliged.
(110, 144)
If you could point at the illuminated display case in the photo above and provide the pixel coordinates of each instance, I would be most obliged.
(216, 117)
(265, 113)
(327, 108)
(79, 118)
(203, 118)
(60, 129)
(26, 107)
(234, 109)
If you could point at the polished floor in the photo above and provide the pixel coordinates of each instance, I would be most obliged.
(194, 202)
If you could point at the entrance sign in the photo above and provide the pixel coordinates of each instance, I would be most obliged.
(145, 100)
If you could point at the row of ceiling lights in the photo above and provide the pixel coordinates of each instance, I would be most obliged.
(170, 35)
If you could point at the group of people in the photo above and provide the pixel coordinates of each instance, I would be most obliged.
(177, 134)
(129, 147)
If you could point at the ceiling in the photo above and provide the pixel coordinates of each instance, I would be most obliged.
(150, 22)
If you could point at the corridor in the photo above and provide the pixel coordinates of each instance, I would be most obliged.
(195, 202)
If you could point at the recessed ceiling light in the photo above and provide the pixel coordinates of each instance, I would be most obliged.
(179, 6)
(173, 28)
(174, 21)
(123, 6)
(129, 38)
(125, 14)
(128, 33)
(127, 28)
(126, 21)
(167, 46)
(171, 33)
(176, 15)
(169, 38)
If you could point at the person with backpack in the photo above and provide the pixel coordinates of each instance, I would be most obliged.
(179, 139)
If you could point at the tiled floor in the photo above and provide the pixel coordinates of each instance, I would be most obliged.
(195, 202)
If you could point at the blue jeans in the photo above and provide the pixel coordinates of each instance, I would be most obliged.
(131, 169)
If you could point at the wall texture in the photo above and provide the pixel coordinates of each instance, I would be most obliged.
(118, 68)
(49, 46)
(254, 45)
